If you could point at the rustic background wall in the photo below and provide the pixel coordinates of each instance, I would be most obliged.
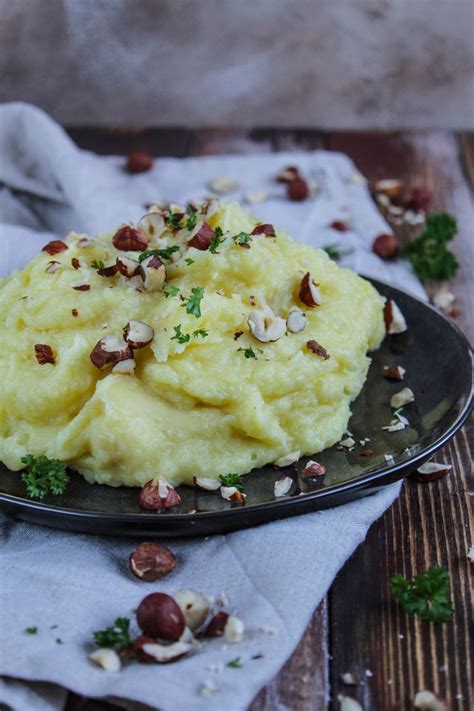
(325, 63)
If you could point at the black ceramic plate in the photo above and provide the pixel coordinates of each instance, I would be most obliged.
(437, 359)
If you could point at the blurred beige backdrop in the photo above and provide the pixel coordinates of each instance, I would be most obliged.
(319, 63)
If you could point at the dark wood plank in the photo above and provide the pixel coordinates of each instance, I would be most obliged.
(430, 522)
(220, 141)
(120, 141)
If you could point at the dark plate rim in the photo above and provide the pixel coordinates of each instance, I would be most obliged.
(390, 473)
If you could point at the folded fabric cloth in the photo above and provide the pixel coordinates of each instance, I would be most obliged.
(274, 576)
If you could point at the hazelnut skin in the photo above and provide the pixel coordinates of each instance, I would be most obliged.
(150, 561)
(159, 616)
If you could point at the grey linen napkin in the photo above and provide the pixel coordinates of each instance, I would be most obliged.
(70, 584)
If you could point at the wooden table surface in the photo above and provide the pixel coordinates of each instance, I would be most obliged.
(357, 627)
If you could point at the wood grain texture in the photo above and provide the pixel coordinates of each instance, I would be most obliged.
(358, 627)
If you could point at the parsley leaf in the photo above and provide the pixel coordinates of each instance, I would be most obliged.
(200, 333)
(334, 252)
(235, 663)
(116, 634)
(170, 290)
(191, 221)
(97, 264)
(189, 261)
(242, 238)
(232, 480)
(43, 476)
(193, 304)
(216, 240)
(173, 220)
(31, 630)
(164, 253)
(427, 594)
(428, 253)
(179, 335)
(248, 352)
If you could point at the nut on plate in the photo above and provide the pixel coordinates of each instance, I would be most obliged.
(194, 606)
(313, 468)
(309, 293)
(287, 460)
(151, 561)
(282, 486)
(158, 494)
(394, 319)
(160, 616)
(404, 397)
(395, 372)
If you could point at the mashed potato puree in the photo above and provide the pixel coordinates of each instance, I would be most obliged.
(209, 405)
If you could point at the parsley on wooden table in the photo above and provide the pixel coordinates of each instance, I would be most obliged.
(116, 634)
(193, 303)
(164, 253)
(43, 476)
(428, 253)
(232, 480)
(426, 595)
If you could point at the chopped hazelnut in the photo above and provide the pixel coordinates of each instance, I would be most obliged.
(264, 229)
(127, 266)
(318, 349)
(297, 189)
(404, 397)
(152, 224)
(129, 239)
(202, 238)
(432, 471)
(151, 561)
(429, 701)
(138, 334)
(313, 469)
(391, 187)
(394, 320)
(52, 267)
(207, 483)
(223, 185)
(158, 494)
(109, 351)
(44, 354)
(153, 273)
(106, 658)
(282, 486)
(265, 326)
(286, 175)
(55, 247)
(194, 606)
(309, 293)
(296, 321)
(287, 460)
(394, 373)
(124, 367)
(339, 226)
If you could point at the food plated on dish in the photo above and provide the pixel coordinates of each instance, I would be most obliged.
(200, 346)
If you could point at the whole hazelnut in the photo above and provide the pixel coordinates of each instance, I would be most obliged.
(139, 162)
(418, 199)
(297, 189)
(158, 615)
(150, 561)
(194, 606)
(386, 246)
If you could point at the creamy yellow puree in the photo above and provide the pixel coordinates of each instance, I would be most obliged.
(200, 408)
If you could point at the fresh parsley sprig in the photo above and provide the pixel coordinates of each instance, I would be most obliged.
(242, 238)
(232, 480)
(164, 253)
(115, 635)
(173, 220)
(216, 240)
(200, 333)
(97, 264)
(191, 220)
(248, 352)
(428, 253)
(170, 290)
(193, 303)
(426, 595)
(43, 476)
(179, 335)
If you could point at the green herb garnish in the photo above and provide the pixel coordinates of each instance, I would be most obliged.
(170, 290)
(116, 634)
(334, 252)
(200, 333)
(31, 630)
(173, 220)
(232, 480)
(189, 261)
(426, 595)
(191, 221)
(193, 304)
(97, 264)
(43, 476)
(179, 335)
(235, 663)
(428, 253)
(164, 253)
(242, 238)
(216, 240)
(248, 352)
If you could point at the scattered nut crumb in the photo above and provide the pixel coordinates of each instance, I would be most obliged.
(347, 703)
(348, 442)
(223, 185)
(348, 678)
(287, 460)
(282, 486)
(404, 397)
(256, 197)
(443, 299)
(107, 659)
(428, 700)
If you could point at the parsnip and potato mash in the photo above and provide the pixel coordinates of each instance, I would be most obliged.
(240, 346)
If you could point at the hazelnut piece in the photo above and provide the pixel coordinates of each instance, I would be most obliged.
(287, 460)
(129, 239)
(432, 471)
(108, 271)
(75, 263)
(418, 200)
(158, 494)
(282, 486)
(109, 351)
(264, 229)
(317, 349)
(52, 267)
(394, 373)
(202, 238)
(347, 703)
(55, 247)
(216, 626)
(386, 246)
(158, 615)
(127, 266)
(194, 606)
(138, 162)
(313, 469)
(429, 701)
(309, 293)
(207, 483)
(404, 397)
(394, 319)
(138, 334)
(286, 175)
(152, 224)
(233, 630)
(106, 658)
(265, 326)
(124, 367)
(391, 187)
(149, 651)
(44, 354)
(153, 272)
(296, 321)
(339, 226)
(223, 185)
(297, 189)
(150, 561)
